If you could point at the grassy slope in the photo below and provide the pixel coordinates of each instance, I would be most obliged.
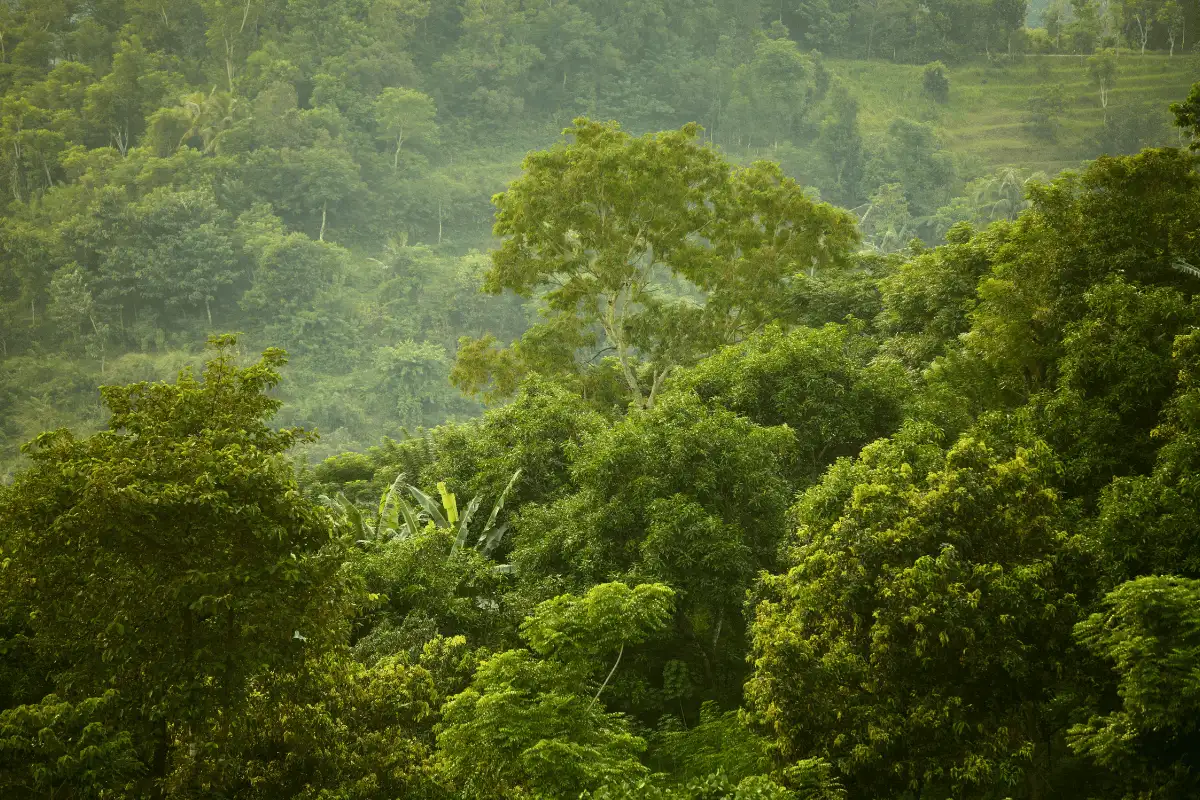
(983, 122)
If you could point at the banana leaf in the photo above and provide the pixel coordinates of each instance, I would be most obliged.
(487, 536)
(464, 525)
(430, 507)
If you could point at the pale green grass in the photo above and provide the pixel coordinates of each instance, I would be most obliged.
(983, 123)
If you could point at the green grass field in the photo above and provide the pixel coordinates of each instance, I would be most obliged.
(983, 123)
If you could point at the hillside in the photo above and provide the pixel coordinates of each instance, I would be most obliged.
(945, 549)
(320, 177)
(984, 121)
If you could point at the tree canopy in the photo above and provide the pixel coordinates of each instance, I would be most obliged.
(762, 498)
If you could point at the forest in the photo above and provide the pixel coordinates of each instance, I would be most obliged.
(599, 400)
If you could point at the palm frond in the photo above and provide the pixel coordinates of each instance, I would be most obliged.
(1179, 265)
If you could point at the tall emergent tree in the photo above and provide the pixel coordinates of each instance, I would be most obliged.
(653, 249)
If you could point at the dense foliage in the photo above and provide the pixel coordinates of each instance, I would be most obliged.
(771, 498)
(317, 176)
(828, 524)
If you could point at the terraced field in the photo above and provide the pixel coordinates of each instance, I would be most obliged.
(984, 122)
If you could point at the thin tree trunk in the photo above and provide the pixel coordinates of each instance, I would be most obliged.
(620, 653)
(321, 235)
(208, 310)
(229, 63)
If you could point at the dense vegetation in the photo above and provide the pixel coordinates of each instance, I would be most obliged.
(317, 175)
(773, 498)
(767, 516)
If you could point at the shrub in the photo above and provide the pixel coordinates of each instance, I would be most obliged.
(935, 83)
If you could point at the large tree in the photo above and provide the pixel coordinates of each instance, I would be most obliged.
(652, 249)
(921, 633)
(172, 557)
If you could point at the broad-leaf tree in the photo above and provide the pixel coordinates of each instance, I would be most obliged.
(652, 249)
(173, 555)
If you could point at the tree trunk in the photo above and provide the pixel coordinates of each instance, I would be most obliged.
(439, 221)
(208, 310)
(620, 653)
(612, 331)
(321, 235)
(229, 63)
(396, 157)
(162, 746)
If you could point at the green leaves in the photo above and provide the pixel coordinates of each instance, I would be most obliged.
(56, 746)
(1149, 632)
(922, 589)
(609, 617)
(656, 243)
(1187, 115)
(404, 115)
(202, 556)
(526, 724)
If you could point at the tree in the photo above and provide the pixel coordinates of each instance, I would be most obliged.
(654, 249)
(1149, 632)
(1143, 13)
(1120, 214)
(927, 301)
(1115, 376)
(1045, 109)
(887, 221)
(840, 141)
(174, 251)
(920, 637)
(1131, 128)
(72, 306)
(913, 157)
(826, 384)
(1103, 70)
(404, 114)
(289, 269)
(54, 747)
(232, 27)
(486, 70)
(1187, 115)
(533, 433)
(530, 721)
(1146, 523)
(1171, 15)
(684, 494)
(120, 102)
(934, 82)
(1086, 26)
(339, 728)
(772, 92)
(200, 118)
(308, 181)
(29, 145)
(206, 567)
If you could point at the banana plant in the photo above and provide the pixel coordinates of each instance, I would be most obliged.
(387, 524)
(393, 508)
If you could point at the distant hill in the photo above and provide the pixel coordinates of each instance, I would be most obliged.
(984, 121)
